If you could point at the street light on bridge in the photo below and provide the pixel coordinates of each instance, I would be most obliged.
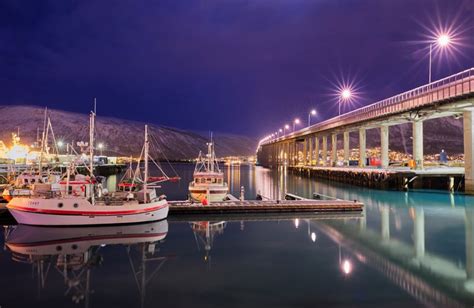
(286, 127)
(312, 112)
(442, 41)
(344, 96)
(295, 122)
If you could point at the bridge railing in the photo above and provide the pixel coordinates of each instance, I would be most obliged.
(452, 86)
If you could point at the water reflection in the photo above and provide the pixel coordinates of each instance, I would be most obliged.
(205, 233)
(74, 253)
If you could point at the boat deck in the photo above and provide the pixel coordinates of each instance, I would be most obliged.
(265, 206)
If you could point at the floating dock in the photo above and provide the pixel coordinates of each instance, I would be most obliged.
(265, 206)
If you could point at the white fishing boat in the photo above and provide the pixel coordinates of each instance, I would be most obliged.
(208, 180)
(83, 200)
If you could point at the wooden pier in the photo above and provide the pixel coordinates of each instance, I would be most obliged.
(265, 206)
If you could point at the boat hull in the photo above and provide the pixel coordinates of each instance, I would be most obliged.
(216, 194)
(44, 212)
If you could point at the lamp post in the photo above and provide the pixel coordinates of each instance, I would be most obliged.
(295, 122)
(443, 40)
(345, 95)
(279, 131)
(312, 112)
(286, 127)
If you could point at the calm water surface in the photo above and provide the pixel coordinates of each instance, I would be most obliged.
(407, 249)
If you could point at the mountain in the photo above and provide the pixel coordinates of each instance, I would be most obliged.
(120, 137)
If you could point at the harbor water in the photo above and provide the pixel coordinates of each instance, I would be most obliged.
(406, 249)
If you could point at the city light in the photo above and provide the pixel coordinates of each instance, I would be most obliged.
(313, 237)
(297, 223)
(60, 144)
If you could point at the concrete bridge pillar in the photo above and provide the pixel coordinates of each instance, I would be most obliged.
(334, 149)
(384, 130)
(419, 232)
(316, 150)
(346, 148)
(310, 155)
(418, 143)
(362, 147)
(468, 122)
(324, 154)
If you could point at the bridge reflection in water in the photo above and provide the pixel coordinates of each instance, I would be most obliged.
(395, 234)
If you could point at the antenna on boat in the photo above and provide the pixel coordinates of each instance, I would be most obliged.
(145, 176)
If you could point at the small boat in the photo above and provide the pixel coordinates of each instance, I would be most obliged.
(24, 184)
(83, 201)
(208, 180)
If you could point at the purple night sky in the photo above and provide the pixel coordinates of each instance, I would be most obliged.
(236, 66)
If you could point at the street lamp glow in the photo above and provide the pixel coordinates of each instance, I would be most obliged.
(312, 112)
(346, 94)
(100, 145)
(443, 40)
(280, 130)
(60, 144)
(295, 122)
(287, 126)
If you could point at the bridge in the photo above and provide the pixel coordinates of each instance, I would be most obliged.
(308, 147)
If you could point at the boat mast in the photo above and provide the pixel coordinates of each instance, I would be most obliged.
(91, 150)
(145, 176)
(42, 139)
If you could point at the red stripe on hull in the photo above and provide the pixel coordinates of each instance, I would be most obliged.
(83, 213)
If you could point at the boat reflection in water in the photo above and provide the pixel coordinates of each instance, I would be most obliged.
(74, 253)
(204, 234)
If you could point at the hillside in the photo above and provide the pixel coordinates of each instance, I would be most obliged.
(119, 136)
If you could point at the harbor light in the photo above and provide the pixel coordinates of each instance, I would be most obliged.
(313, 236)
(297, 223)
(60, 144)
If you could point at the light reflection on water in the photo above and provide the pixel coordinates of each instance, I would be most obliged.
(406, 249)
